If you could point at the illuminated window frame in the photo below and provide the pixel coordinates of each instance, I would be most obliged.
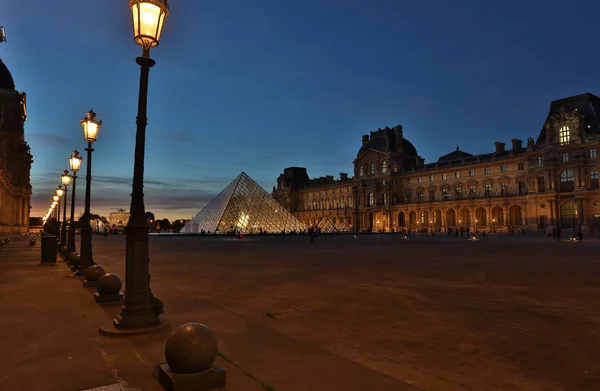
(564, 135)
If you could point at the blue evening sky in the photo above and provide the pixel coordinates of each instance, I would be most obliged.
(261, 85)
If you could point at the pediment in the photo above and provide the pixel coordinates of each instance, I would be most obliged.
(370, 152)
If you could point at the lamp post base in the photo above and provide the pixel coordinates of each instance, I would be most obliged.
(137, 319)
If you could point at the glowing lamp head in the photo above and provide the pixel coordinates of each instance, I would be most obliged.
(55, 198)
(91, 127)
(148, 20)
(75, 161)
(60, 191)
(65, 178)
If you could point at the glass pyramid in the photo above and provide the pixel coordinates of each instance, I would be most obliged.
(326, 226)
(243, 205)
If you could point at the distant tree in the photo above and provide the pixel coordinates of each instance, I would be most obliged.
(165, 225)
(150, 219)
(51, 226)
(35, 221)
(177, 225)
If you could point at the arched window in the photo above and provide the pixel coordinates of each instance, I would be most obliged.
(567, 180)
(564, 135)
(372, 172)
(395, 166)
(361, 171)
(568, 214)
(384, 167)
(371, 199)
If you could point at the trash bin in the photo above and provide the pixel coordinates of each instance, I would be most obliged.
(49, 244)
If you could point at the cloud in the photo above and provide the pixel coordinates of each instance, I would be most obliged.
(175, 198)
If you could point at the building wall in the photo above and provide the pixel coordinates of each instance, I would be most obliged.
(549, 183)
(15, 164)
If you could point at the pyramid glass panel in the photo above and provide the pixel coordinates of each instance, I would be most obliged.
(243, 205)
(326, 226)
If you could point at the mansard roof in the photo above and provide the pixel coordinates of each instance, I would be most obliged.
(6, 79)
(586, 104)
(454, 155)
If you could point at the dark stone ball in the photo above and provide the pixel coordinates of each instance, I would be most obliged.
(192, 348)
(109, 284)
(74, 258)
(94, 272)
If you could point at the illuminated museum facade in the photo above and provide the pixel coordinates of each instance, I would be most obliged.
(549, 182)
(15, 158)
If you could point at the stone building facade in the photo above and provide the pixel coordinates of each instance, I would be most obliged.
(15, 158)
(549, 182)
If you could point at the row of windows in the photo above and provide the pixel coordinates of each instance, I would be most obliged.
(457, 174)
(373, 168)
(592, 153)
(326, 192)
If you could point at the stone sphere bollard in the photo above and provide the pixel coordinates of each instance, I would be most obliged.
(73, 258)
(109, 284)
(94, 272)
(192, 348)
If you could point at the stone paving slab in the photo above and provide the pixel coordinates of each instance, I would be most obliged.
(507, 312)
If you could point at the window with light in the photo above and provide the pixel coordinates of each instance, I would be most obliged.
(488, 189)
(372, 169)
(371, 199)
(593, 153)
(361, 171)
(564, 135)
(384, 167)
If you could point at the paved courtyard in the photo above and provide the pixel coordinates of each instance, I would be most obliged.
(502, 313)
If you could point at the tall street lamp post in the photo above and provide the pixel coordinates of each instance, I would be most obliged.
(90, 134)
(75, 164)
(141, 308)
(66, 181)
(56, 199)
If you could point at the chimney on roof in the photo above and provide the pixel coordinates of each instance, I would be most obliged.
(517, 145)
(329, 179)
(499, 147)
(365, 138)
(398, 136)
(343, 176)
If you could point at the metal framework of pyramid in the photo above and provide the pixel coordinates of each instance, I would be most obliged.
(243, 205)
(326, 226)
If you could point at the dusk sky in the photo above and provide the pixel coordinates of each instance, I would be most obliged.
(261, 85)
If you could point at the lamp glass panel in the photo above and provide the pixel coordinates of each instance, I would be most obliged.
(75, 163)
(147, 23)
(90, 130)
